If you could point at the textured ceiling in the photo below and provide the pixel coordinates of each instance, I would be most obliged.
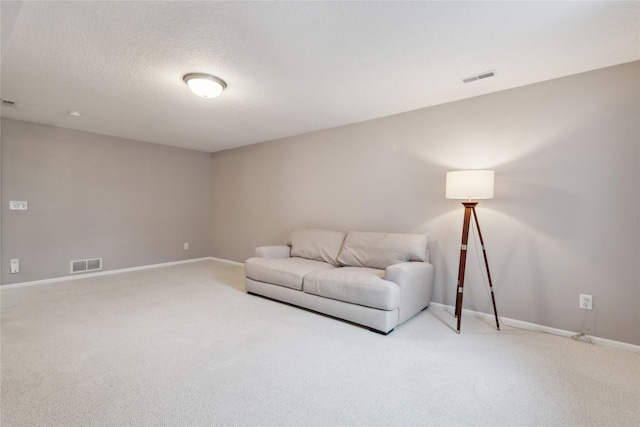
(290, 67)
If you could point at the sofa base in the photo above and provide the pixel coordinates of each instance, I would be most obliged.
(321, 314)
(381, 321)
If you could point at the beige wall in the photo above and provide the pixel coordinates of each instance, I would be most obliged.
(564, 221)
(90, 196)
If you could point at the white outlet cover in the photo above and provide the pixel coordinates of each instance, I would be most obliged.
(586, 302)
(18, 205)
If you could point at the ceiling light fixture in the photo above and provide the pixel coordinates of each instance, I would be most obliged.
(75, 113)
(204, 85)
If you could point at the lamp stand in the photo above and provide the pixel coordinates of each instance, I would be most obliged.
(470, 208)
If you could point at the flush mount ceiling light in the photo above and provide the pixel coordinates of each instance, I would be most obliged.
(204, 85)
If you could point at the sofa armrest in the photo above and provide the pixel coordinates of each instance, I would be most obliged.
(415, 280)
(273, 252)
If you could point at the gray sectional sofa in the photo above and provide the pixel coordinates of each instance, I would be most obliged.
(377, 280)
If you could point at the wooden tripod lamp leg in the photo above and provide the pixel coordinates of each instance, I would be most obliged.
(468, 208)
(486, 264)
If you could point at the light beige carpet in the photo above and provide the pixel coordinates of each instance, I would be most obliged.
(185, 346)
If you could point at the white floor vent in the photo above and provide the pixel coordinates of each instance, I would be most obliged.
(84, 265)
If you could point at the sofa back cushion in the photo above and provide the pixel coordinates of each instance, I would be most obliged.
(316, 244)
(380, 250)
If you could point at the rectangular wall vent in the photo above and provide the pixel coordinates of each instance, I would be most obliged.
(85, 265)
(479, 76)
(8, 103)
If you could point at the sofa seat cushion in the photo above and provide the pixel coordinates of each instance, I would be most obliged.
(287, 272)
(356, 285)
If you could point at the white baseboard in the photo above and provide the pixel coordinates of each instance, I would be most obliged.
(109, 272)
(540, 328)
(240, 264)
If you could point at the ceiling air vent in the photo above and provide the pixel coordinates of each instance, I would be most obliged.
(480, 76)
(8, 103)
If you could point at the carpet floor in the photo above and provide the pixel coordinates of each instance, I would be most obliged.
(186, 346)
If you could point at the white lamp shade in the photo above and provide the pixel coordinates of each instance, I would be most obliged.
(204, 85)
(470, 184)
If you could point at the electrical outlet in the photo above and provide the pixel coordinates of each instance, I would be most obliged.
(586, 302)
(186, 246)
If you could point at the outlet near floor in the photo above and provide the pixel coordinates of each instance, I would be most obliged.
(586, 301)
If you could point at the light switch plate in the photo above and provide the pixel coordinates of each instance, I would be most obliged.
(18, 205)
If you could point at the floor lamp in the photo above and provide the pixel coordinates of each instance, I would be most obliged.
(470, 184)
